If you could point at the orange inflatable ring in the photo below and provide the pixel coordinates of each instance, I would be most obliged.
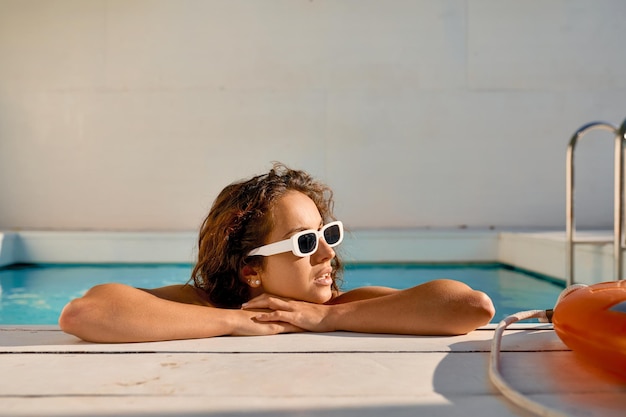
(592, 322)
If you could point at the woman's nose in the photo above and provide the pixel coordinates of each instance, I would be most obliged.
(324, 252)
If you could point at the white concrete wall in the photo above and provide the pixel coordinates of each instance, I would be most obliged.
(132, 115)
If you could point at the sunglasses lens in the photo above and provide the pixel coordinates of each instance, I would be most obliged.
(332, 234)
(307, 242)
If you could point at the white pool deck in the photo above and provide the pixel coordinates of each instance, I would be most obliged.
(44, 372)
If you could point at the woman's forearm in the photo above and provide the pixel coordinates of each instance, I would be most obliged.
(116, 313)
(440, 307)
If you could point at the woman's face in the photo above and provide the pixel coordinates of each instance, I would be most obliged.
(287, 275)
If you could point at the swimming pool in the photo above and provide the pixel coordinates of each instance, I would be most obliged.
(35, 294)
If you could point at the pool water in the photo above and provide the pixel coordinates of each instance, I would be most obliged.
(37, 294)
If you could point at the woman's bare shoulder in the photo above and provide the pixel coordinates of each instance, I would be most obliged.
(186, 293)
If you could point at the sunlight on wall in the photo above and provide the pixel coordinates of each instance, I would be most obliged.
(133, 115)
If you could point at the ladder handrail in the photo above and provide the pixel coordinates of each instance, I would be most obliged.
(618, 197)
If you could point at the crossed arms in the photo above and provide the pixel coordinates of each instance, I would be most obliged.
(112, 313)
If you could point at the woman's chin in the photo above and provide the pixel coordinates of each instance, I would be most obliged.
(321, 296)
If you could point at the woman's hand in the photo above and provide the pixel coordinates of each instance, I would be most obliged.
(248, 323)
(303, 315)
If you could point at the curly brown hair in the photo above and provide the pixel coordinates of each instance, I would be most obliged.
(239, 221)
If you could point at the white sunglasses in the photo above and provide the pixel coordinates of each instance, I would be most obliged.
(304, 243)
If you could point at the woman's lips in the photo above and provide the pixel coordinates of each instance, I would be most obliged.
(325, 279)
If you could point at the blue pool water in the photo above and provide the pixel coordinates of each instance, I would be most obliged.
(36, 294)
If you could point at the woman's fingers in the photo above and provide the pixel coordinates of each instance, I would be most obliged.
(279, 316)
(268, 302)
(280, 310)
(301, 314)
(276, 327)
(249, 325)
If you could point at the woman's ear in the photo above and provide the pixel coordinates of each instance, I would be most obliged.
(251, 276)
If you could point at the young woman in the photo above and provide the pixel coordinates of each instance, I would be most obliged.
(267, 265)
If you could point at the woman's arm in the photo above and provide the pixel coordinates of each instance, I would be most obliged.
(112, 313)
(440, 307)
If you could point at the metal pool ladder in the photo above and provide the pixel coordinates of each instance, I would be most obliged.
(618, 200)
